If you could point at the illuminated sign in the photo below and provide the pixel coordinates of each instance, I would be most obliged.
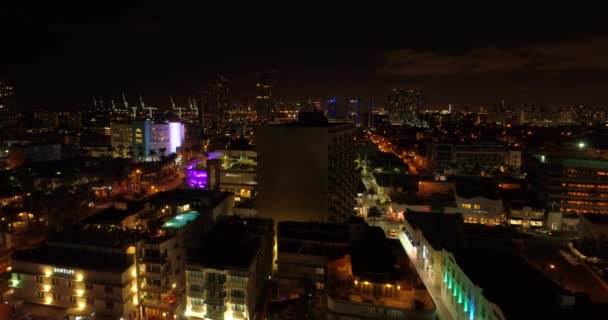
(64, 271)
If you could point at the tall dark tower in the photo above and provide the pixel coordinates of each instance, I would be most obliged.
(403, 105)
(8, 97)
(215, 100)
(264, 97)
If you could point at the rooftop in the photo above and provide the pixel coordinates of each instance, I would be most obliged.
(76, 258)
(375, 259)
(441, 230)
(232, 244)
(477, 187)
(313, 231)
(588, 163)
(596, 218)
(503, 277)
(198, 197)
(113, 215)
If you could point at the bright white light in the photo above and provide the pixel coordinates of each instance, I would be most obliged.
(581, 145)
(176, 134)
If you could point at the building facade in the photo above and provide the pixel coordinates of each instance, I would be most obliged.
(146, 141)
(572, 185)
(306, 171)
(403, 105)
(84, 282)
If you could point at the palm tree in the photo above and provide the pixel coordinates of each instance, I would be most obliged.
(120, 149)
(153, 154)
(140, 152)
(130, 152)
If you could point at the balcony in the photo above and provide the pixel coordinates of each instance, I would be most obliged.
(216, 301)
(151, 288)
(215, 286)
(151, 275)
(153, 259)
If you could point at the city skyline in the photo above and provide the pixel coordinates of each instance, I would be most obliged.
(62, 61)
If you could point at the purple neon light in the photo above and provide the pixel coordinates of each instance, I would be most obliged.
(196, 178)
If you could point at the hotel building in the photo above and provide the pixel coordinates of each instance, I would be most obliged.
(144, 140)
(306, 170)
(77, 281)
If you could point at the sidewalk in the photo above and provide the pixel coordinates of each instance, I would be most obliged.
(441, 310)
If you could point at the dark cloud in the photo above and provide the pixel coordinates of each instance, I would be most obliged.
(565, 55)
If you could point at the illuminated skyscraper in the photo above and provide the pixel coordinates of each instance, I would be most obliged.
(403, 105)
(264, 97)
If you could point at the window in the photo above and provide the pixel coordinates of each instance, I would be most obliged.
(40, 294)
(109, 305)
(196, 288)
(109, 289)
(476, 206)
(238, 307)
(237, 294)
(466, 206)
(39, 279)
(72, 299)
(197, 302)
(319, 271)
(237, 279)
(90, 301)
(88, 286)
(70, 284)
(55, 281)
(56, 296)
(196, 274)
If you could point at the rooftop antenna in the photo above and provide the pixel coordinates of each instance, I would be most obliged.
(141, 102)
(124, 101)
(192, 107)
(134, 111)
(150, 109)
(179, 109)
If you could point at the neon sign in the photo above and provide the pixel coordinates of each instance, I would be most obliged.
(64, 271)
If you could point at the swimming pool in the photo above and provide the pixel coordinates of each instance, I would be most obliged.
(182, 219)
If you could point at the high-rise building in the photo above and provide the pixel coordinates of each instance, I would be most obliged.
(341, 107)
(264, 97)
(216, 99)
(7, 97)
(403, 105)
(306, 170)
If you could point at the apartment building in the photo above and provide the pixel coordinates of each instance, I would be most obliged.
(226, 278)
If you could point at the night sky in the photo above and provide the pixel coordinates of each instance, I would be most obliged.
(60, 59)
